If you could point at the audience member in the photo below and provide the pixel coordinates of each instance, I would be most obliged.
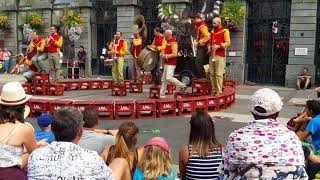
(264, 148)
(45, 133)
(313, 129)
(200, 159)
(156, 161)
(125, 146)
(304, 80)
(64, 159)
(20, 63)
(14, 134)
(6, 60)
(90, 139)
(82, 61)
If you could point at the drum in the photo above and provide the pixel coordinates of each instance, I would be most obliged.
(148, 58)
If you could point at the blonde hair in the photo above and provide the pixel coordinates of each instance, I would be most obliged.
(156, 163)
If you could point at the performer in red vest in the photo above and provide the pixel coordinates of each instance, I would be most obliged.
(39, 60)
(169, 56)
(119, 49)
(54, 43)
(159, 44)
(220, 40)
(202, 41)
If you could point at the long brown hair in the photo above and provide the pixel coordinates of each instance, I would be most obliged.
(156, 163)
(12, 113)
(202, 134)
(126, 141)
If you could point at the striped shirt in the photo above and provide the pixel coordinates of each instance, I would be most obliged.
(203, 167)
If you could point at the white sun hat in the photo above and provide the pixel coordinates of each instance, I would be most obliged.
(13, 94)
(267, 99)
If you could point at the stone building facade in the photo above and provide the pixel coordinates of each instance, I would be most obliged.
(256, 55)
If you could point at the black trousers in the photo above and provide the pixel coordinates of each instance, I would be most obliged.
(201, 60)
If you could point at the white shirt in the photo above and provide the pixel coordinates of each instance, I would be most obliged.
(65, 160)
(95, 141)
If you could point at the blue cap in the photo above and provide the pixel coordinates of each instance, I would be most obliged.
(45, 120)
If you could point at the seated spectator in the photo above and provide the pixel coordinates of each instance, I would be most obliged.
(64, 159)
(156, 161)
(304, 80)
(45, 133)
(14, 134)
(125, 146)
(90, 139)
(200, 159)
(313, 129)
(263, 149)
(20, 63)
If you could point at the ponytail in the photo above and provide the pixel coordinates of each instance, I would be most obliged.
(126, 141)
(121, 149)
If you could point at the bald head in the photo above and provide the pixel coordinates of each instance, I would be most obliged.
(216, 22)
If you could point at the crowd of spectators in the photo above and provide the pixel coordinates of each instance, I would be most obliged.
(70, 146)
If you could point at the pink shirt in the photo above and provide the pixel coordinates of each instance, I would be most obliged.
(1, 55)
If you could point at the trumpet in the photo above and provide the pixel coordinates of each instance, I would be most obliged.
(193, 46)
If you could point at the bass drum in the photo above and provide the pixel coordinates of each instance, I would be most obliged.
(148, 58)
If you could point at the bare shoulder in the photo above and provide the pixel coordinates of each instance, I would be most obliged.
(105, 153)
(183, 149)
(26, 128)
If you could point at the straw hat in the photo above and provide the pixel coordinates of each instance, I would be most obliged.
(13, 94)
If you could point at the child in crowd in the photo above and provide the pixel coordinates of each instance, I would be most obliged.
(19, 65)
(44, 122)
(156, 161)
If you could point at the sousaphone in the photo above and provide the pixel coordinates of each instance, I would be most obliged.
(148, 57)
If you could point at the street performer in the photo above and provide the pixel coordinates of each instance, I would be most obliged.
(220, 40)
(119, 49)
(159, 44)
(169, 56)
(137, 45)
(54, 43)
(39, 60)
(202, 41)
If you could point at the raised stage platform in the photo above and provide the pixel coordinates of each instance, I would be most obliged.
(127, 101)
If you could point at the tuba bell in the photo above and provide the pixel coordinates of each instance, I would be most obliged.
(139, 27)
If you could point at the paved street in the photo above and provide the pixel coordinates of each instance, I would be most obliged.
(176, 130)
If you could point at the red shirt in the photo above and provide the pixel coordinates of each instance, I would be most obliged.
(217, 37)
(37, 42)
(51, 46)
(168, 50)
(118, 46)
(198, 26)
(158, 40)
